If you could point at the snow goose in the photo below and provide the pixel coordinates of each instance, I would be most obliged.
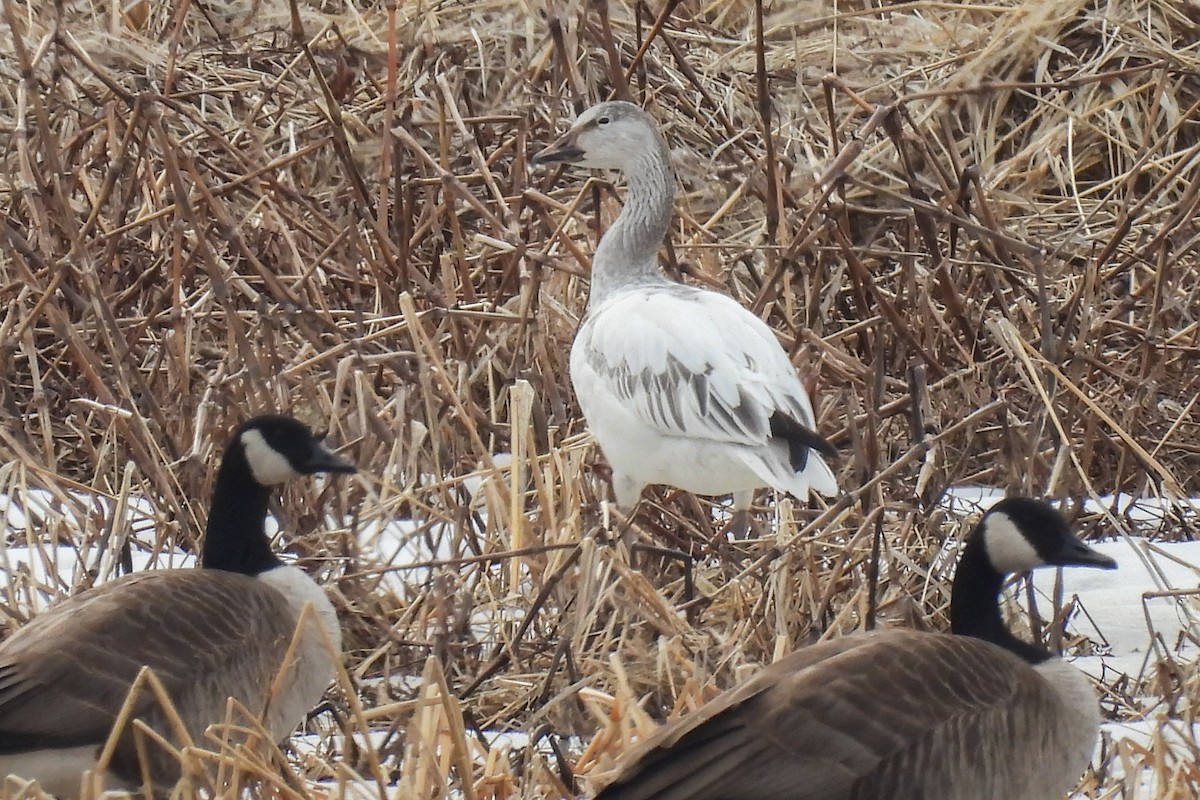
(209, 634)
(976, 714)
(680, 385)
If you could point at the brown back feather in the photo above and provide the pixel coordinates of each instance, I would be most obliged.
(848, 719)
(207, 634)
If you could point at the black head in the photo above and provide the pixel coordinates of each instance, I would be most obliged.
(1015, 535)
(278, 448)
(1020, 533)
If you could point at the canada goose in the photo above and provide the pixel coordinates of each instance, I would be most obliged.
(209, 634)
(680, 385)
(977, 714)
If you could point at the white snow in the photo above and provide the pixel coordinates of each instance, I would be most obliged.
(1134, 616)
(1137, 615)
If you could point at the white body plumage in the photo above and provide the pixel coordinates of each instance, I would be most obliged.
(680, 385)
(686, 404)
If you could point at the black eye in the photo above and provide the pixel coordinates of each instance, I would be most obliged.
(602, 121)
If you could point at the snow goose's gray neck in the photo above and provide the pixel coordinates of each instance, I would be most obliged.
(628, 251)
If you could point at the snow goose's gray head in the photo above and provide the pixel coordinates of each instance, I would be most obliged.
(279, 448)
(1020, 533)
(611, 135)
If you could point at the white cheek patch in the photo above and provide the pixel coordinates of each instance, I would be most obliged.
(1007, 549)
(267, 464)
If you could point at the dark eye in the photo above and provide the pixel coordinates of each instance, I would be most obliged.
(602, 121)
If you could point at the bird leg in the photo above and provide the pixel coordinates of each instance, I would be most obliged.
(741, 524)
(616, 524)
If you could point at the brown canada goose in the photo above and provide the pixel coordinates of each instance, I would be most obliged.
(977, 714)
(209, 634)
(680, 385)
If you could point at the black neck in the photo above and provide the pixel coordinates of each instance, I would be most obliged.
(235, 539)
(975, 604)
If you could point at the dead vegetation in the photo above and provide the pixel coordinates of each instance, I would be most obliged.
(978, 239)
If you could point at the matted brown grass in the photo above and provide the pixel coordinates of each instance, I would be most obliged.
(978, 240)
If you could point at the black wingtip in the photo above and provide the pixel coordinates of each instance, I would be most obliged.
(800, 439)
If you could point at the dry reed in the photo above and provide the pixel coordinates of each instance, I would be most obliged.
(971, 225)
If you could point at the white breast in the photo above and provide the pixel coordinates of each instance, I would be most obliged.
(59, 771)
(1078, 720)
(314, 669)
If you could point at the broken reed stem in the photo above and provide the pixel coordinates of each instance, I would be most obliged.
(520, 398)
(764, 113)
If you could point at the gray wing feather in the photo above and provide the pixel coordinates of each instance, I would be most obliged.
(676, 400)
(691, 363)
